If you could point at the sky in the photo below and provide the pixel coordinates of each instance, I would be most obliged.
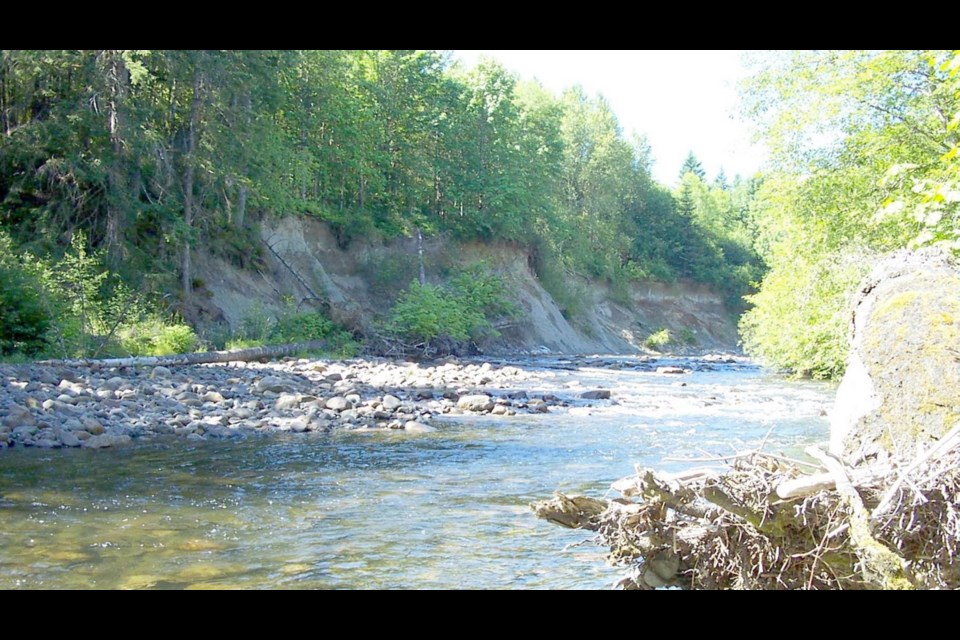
(681, 100)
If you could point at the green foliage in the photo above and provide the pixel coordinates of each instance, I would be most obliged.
(687, 336)
(692, 165)
(24, 320)
(478, 288)
(260, 328)
(658, 339)
(154, 336)
(462, 311)
(864, 151)
(74, 307)
(800, 318)
(153, 153)
(427, 312)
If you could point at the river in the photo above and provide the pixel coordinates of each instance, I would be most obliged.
(383, 510)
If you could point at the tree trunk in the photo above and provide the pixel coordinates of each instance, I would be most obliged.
(423, 272)
(4, 118)
(207, 357)
(242, 186)
(186, 279)
(116, 77)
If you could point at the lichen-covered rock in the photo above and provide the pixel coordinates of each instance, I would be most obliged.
(902, 383)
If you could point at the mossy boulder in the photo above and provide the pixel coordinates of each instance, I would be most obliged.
(902, 384)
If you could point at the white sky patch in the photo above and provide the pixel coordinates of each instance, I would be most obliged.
(681, 100)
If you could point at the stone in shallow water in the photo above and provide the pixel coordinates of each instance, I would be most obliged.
(413, 426)
(69, 439)
(138, 581)
(479, 402)
(671, 370)
(598, 394)
(106, 440)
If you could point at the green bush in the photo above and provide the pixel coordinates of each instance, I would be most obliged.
(259, 328)
(302, 327)
(687, 336)
(462, 311)
(658, 339)
(24, 321)
(426, 312)
(153, 336)
(801, 314)
(76, 307)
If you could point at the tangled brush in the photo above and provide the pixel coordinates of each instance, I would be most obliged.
(771, 522)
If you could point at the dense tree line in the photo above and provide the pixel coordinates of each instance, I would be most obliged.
(154, 153)
(865, 160)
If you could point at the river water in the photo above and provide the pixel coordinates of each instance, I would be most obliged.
(386, 509)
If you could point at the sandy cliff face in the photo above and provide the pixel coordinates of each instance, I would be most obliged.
(304, 263)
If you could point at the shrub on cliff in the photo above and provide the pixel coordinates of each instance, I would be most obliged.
(464, 310)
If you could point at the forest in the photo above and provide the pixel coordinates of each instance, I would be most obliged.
(117, 165)
(134, 159)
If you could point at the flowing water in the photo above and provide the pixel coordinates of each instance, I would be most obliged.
(384, 509)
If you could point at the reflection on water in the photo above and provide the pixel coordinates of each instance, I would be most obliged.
(376, 510)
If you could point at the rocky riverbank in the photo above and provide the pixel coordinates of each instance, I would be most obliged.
(60, 406)
(96, 407)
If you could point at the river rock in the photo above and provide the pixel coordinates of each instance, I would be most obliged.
(106, 440)
(412, 426)
(598, 394)
(538, 406)
(902, 383)
(92, 425)
(480, 402)
(338, 403)
(18, 416)
(274, 384)
(159, 372)
(671, 370)
(287, 401)
(390, 403)
(212, 396)
(114, 383)
(69, 439)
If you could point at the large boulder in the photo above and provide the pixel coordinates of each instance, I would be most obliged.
(902, 384)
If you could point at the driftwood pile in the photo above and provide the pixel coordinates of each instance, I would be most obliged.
(771, 522)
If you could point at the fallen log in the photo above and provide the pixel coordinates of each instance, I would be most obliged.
(203, 357)
(573, 512)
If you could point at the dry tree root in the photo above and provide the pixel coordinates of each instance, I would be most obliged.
(765, 523)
